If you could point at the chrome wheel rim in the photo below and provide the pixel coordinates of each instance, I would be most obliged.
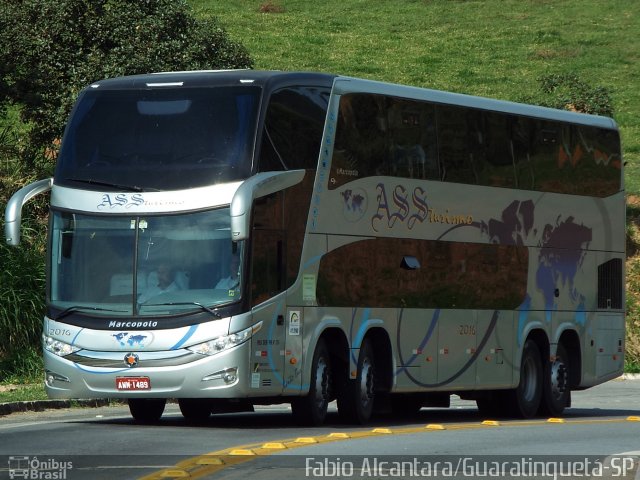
(529, 380)
(366, 383)
(322, 384)
(558, 378)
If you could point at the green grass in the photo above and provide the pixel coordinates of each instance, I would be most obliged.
(490, 48)
(21, 376)
(21, 393)
(632, 347)
(23, 366)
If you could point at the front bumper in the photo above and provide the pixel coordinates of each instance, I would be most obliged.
(170, 374)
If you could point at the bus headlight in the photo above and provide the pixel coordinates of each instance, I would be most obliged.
(225, 342)
(57, 347)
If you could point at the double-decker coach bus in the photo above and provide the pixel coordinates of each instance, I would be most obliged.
(237, 238)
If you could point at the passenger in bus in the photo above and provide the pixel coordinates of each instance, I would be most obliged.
(230, 282)
(160, 281)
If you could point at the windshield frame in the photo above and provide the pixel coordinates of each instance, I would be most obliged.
(98, 264)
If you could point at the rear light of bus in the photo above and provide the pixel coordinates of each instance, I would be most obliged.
(57, 347)
(225, 342)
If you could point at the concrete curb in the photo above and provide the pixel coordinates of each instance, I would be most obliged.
(42, 405)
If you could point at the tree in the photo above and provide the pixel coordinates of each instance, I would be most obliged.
(569, 92)
(51, 49)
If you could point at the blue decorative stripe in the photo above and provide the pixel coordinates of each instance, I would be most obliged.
(187, 336)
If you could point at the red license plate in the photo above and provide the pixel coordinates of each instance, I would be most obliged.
(133, 383)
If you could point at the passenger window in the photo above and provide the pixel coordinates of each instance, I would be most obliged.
(293, 129)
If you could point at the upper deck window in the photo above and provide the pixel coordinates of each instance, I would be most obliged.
(410, 138)
(159, 139)
(293, 128)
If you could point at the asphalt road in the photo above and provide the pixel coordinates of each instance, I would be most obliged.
(104, 442)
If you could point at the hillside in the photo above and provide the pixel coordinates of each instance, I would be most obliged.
(493, 48)
(490, 48)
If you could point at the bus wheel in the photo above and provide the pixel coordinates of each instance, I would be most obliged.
(525, 399)
(146, 410)
(355, 403)
(555, 389)
(195, 409)
(312, 408)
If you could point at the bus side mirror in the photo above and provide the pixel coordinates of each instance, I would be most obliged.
(13, 211)
(260, 185)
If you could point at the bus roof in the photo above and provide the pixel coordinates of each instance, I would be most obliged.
(345, 85)
(272, 80)
(206, 78)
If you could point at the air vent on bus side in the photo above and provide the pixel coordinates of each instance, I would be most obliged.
(610, 284)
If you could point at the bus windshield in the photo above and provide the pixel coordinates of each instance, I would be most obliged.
(159, 139)
(143, 265)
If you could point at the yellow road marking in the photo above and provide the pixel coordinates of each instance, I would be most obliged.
(242, 451)
(306, 440)
(491, 423)
(435, 426)
(213, 462)
(382, 430)
(174, 473)
(210, 461)
(274, 446)
(555, 420)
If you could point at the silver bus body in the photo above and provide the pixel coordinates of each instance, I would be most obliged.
(432, 243)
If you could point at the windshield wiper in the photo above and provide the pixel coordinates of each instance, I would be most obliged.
(128, 188)
(76, 308)
(171, 304)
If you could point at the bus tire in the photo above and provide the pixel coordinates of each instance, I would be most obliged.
(356, 401)
(146, 410)
(195, 409)
(555, 390)
(525, 399)
(312, 408)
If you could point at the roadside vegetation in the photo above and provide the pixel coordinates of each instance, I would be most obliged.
(49, 51)
(574, 54)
